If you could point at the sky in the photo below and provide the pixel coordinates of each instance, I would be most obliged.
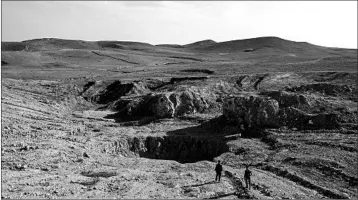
(325, 23)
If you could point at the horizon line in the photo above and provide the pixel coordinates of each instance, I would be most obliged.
(41, 38)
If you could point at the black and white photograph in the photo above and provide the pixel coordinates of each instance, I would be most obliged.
(179, 100)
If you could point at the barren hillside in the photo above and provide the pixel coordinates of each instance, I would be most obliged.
(121, 119)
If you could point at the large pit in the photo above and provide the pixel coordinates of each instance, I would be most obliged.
(184, 149)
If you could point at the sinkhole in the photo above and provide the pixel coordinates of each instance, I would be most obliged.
(183, 149)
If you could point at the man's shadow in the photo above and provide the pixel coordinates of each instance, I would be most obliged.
(221, 195)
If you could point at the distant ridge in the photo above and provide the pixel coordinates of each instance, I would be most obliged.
(259, 44)
(201, 43)
(254, 44)
(124, 45)
(270, 45)
(191, 45)
(56, 43)
(170, 45)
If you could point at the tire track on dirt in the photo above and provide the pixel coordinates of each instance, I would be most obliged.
(241, 192)
(34, 111)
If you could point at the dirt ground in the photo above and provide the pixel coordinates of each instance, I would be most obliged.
(58, 142)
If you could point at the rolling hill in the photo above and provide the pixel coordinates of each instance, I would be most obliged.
(237, 56)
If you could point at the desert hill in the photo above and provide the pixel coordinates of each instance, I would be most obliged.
(258, 43)
(249, 45)
(58, 44)
(264, 46)
(201, 44)
(223, 57)
(274, 44)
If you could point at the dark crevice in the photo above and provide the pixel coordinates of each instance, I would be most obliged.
(179, 79)
(176, 63)
(259, 80)
(206, 71)
(87, 86)
(98, 174)
(187, 58)
(112, 92)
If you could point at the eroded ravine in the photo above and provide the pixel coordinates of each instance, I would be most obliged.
(100, 154)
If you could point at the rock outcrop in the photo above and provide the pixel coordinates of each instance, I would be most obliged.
(250, 82)
(167, 104)
(325, 88)
(161, 106)
(286, 99)
(257, 112)
(251, 111)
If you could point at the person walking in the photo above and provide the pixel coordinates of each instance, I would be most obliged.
(218, 170)
(247, 177)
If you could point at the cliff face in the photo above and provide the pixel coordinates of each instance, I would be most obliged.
(251, 111)
(179, 103)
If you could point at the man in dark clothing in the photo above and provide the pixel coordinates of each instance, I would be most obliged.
(218, 170)
(247, 177)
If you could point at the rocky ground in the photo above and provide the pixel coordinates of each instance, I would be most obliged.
(146, 136)
(55, 144)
